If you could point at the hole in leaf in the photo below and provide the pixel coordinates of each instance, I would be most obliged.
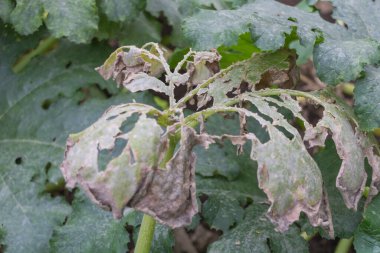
(18, 160)
(105, 155)
(287, 134)
(46, 104)
(293, 19)
(68, 65)
(130, 123)
(253, 126)
(48, 167)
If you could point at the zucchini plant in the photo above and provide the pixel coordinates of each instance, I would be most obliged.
(206, 128)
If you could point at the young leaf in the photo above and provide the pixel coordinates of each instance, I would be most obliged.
(130, 70)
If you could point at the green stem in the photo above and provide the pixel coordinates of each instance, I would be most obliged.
(344, 245)
(203, 85)
(42, 47)
(144, 241)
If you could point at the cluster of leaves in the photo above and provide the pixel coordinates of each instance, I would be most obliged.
(236, 110)
(133, 21)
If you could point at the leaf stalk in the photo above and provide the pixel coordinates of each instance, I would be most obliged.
(144, 241)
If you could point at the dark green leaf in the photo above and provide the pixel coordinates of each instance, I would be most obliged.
(90, 229)
(120, 10)
(27, 215)
(6, 7)
(75, 19)
(367, 99)
(340, 61)
(367, 236)
(345, 221)
(255, 234)
(27, 16)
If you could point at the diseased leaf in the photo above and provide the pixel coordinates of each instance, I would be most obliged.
(143, 81)
(260, 71)
(255, 234)
(113, 188)
(169, 195)
(130, 70)
(367, 236)
(89, 229)
(61, 15)
(134, 178)
(204, 66)
(367, 99)
(299, 188)
(352, 176)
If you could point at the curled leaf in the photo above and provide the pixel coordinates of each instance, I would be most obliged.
(112, 188)
(136, 70)
(169, 194)
(135, 178)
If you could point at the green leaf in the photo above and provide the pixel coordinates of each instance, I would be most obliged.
(26, 17)
(121, 10)
(62, 14)
(221, 211)
(255, 234)
(6, 7)
(238, 52)
(89, 229)
(367, 236)
(361, 17)
(268, 21)
(345, 221)
(225, 195)
(28, 215)
(213, 163)
(53, 96)
(339, 61)
(367, 99)
(341, 56)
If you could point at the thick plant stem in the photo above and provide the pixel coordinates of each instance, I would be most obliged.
(144, 241)
(44, 46)
(344, 245)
